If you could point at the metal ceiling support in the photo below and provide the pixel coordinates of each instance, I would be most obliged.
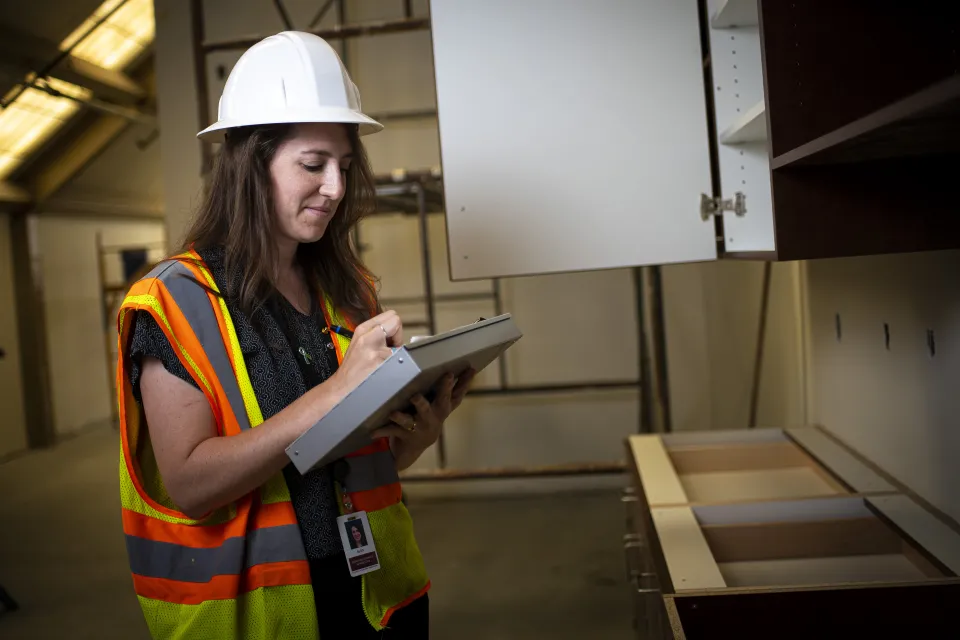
(127, 113)
(284, 16)
(334, 33)
(320, 14)
(114, 85)
(48, 68)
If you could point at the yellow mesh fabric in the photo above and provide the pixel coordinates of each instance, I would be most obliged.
(401, 572)
(275, 490)
(150, 478)
(268, 613)
(341, 342)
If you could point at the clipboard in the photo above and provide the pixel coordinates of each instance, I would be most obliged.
(412, 369)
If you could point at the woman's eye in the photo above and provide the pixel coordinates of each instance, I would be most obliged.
(344, 169)
(313, 168)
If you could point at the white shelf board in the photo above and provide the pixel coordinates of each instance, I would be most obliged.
(735, 13)
(750, 127)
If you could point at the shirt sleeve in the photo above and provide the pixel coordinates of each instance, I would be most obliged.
(149, 340)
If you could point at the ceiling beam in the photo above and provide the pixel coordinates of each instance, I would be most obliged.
(25, 53)
(81, 151)
(13, 196)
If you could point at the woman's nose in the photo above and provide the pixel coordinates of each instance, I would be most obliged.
(333, 182)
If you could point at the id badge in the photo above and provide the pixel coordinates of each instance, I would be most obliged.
(358, 543)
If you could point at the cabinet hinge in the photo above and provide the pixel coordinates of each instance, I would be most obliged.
(714, 206)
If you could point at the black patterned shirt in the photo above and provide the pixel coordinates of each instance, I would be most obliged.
(277, 382)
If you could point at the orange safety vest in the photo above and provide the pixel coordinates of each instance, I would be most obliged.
(241, 571)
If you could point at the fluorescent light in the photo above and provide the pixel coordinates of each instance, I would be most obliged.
(29, 122)
(36, 115)
(120, 39)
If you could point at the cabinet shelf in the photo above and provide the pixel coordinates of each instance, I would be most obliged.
(735, 13)
(924, 123)
(750, 127)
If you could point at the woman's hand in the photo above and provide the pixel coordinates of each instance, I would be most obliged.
(413, 435)
(371, 345)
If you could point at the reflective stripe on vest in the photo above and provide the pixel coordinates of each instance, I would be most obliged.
(240, 551)
(195, 306)
(198, 564)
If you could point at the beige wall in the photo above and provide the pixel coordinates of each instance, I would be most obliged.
(13, 433)
(80, 376)
(712, 318)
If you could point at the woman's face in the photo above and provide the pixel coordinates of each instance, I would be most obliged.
(356, 534)
(309, 172)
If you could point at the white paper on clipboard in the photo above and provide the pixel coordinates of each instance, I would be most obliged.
(412, 369)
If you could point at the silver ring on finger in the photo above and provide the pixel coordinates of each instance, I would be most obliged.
(412, 426)
(385, 334)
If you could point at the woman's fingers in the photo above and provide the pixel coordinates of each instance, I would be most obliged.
(390, 431)
(463, 382)
(422, 406)
(387, 323)
(404, 420)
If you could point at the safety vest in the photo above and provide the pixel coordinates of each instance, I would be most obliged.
(241, 571)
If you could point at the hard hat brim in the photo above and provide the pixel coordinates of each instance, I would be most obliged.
(217, 131)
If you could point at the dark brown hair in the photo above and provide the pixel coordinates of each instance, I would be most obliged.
(237, 214)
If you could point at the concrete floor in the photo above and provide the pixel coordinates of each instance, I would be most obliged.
(522, 567)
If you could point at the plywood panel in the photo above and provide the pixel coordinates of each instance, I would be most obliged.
(930, 533)
(840, 461)
(784, 511)
(660, 482)
(767, 484)
(810, 571)
(730, 436)
(689, 560)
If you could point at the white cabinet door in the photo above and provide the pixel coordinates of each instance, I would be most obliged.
(573, 134)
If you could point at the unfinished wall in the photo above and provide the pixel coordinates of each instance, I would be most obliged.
(80, 376)
(899, 405)
(13, 431)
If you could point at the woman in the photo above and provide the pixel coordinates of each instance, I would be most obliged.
(232, 349)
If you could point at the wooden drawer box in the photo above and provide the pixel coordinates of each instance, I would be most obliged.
(749, 465)
(801, 543)
(796, 566)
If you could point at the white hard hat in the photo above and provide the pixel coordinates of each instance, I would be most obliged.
(288, 78)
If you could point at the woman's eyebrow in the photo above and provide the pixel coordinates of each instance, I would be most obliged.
(326, 154)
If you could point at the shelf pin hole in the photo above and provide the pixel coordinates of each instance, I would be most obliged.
(931, 343)
(839, 328)
(886, 336)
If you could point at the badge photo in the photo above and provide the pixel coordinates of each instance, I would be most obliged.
(358, 543)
